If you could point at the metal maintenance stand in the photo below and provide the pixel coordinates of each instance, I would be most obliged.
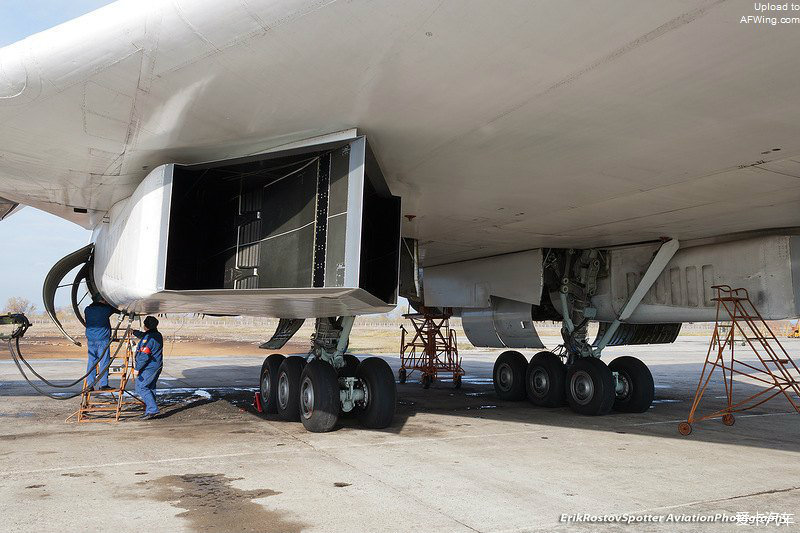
(432, 350)
(736, 315)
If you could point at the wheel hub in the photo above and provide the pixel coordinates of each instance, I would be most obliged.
(283, 391)
(582, 387)
(306, 398)
(623, 388)
(365, 387)
(505, 377)
(540, 382)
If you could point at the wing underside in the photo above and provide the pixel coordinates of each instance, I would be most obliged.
(7, 208)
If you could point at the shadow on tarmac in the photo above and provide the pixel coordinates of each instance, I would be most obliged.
(772, 425)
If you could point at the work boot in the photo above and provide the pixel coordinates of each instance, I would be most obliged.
(106, 387)
(147, 416)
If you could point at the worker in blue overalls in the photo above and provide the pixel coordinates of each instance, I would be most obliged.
(149, 361)
(98, 340)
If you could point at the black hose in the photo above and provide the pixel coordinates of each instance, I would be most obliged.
(16, 354)
(86, 375)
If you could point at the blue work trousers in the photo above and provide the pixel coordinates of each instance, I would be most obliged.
(99, 355)
(145, 388)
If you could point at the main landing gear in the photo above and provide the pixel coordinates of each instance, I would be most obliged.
(588, 385)
(328, 383)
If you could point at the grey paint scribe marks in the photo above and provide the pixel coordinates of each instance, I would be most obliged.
(211, 504)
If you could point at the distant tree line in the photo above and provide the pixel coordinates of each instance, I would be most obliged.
(16, 304)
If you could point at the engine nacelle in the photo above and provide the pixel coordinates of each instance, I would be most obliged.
(499, 297)
(300, 233)
(505, 324)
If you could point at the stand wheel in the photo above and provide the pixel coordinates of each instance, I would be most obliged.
(402, 375)
(728, 419)
(684, 428)
(289, 388)
(457, 382)
(427, 379)
(319, 397)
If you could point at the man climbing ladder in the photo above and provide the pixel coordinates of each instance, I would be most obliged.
(98, 341)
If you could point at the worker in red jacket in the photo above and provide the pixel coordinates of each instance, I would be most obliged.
(149, 361)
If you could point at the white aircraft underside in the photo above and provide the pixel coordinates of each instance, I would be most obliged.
(503, 125)
(611, 161)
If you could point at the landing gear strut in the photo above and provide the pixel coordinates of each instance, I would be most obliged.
(328, 382)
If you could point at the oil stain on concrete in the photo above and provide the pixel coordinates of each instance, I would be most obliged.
(212, 505)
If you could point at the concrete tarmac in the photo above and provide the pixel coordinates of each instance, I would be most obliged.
(454, 460)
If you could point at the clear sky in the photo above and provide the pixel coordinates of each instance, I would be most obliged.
(32, 241)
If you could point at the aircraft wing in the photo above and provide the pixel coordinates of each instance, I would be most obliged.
(7, 208)
(505, 126)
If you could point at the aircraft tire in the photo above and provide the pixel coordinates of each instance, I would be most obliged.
(638, 389)
(289, 388)
(545, 380)
(590, 387)
(381, 393)
(268, 383)
(508, 375)
(319, 397)
(351, 363)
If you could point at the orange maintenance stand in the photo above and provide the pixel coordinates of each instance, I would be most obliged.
(433, 348)
(739, 320)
